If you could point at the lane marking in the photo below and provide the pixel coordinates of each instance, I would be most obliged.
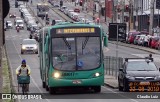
(119, 94)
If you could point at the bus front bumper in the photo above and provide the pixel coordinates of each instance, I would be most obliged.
(96, 81)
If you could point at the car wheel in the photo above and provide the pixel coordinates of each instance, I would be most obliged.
(37, 52)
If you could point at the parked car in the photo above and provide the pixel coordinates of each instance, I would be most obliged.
(63, 8)
(74, 16)
(146, 41)
(69, 11)
(79, 18)
(131, 36)
(141, 39)
(29, 45)
(56, 5)
(154, 42)
(158, 45)
(136, 39)
(66, 11)
(77, 10)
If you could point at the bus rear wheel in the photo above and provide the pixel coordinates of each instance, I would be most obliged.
(52, 90)
(97, 89)
(43, 84)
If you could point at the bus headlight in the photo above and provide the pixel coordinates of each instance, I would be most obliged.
(56, 75)
(97, 74)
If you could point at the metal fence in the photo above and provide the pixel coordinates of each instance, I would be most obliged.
(110, 65)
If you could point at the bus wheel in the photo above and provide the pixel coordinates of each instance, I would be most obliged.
(47, 89)
(52, 90)
(43, 84)
(97, 89)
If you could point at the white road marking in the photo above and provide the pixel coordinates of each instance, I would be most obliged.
(119, 94)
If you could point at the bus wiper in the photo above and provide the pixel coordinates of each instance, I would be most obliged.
(67, 44)
(85, 42)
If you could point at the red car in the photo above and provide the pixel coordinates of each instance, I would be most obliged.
(131, 36)
(77, 10)
(154, 42)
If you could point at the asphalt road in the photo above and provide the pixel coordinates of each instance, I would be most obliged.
(13, 41)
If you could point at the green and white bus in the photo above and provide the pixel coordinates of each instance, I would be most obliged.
(71, 55)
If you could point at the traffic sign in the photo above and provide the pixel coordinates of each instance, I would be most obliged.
(117, 28)
(157, 4)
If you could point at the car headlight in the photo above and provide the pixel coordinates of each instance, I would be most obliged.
(35, 47)
(130, 77)
(157, 77)
(23, 47)
(56, 75)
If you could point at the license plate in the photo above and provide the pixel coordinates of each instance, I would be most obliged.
(144, 83)
(76, 81)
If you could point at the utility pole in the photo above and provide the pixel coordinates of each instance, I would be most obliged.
(1, 30)
(122, 13)
(151, 17)
(105, 10)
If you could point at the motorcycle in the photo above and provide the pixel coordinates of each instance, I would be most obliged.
(17, 28)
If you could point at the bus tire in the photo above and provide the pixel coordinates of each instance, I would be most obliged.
(21, 52)
(47, 88)
(43, 84)
(97, 89)
(52, 90)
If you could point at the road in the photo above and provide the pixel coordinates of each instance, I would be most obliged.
(13, 41)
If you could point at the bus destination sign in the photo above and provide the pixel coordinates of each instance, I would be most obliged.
(75, 30)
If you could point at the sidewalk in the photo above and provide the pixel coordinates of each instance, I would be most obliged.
(111, 81)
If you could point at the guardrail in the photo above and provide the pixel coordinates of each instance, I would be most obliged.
(110, 65)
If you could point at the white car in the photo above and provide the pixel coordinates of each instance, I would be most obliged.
(29, 45)
(69, 11)
(20, 23)
(10, 25)
(63, 8)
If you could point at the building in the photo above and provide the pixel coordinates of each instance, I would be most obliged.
(142, 14)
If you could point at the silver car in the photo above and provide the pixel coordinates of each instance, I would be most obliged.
(29, 45)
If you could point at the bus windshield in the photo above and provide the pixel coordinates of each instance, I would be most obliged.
(76, 53)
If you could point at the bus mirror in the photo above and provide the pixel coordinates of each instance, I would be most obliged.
(105, 41)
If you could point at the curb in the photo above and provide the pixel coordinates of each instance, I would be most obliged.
(113, 87)
(134, 46)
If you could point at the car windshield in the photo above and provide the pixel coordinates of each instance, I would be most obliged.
(19, 23)
(141, 66)
(80, 53)
(29, 42)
